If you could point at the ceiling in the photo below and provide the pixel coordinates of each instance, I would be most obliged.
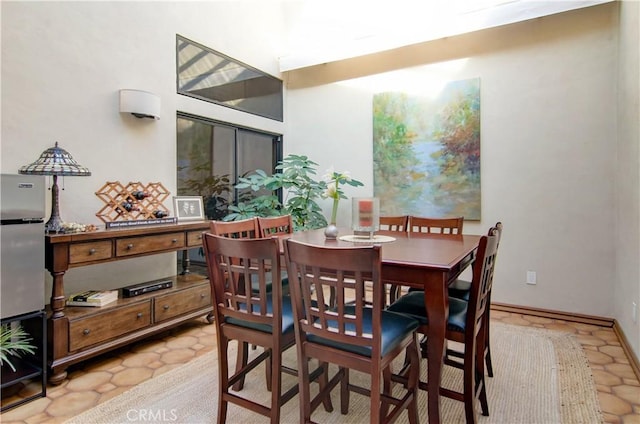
(323, 31)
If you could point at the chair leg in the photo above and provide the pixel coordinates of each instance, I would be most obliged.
(414, 378)
(487, 327)
(304, 393)
(487, 354)
(469, 384)
(484, 404)
(344, 392)
(223, 378)
(377, 405)
(269, 371)
(275, 385)
(479, 374)
(386, 384)
(241, 361)
(323, 381)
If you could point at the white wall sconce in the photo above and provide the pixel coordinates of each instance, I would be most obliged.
(141, 104)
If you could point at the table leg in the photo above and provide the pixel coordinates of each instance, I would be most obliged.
(437, 303)
(186, 262)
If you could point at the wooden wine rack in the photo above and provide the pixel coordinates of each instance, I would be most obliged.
(114, 195)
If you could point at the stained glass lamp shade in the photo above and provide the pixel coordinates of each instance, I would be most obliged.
(55, 161)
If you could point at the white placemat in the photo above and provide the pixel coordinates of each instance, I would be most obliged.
(366, 239)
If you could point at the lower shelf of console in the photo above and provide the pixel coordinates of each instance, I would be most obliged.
(85, 332)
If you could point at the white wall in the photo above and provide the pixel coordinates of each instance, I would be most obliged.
(62, 66)
(550, 116)
(548, 106)
(627, 287)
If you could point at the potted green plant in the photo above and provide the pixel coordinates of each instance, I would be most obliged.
(14, 342)
(296, 178)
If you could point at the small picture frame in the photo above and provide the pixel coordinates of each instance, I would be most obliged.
(188, 208)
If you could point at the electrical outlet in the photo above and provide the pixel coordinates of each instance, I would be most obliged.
(634, 314)
(531, 277)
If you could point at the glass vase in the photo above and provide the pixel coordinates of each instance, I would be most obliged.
(365, 216)
(331, 232)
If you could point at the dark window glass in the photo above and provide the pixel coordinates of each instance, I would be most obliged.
(212, 76)
(211, 155)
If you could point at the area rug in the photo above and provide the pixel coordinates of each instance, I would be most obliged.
(541, 376)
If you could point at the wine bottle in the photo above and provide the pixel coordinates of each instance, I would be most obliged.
(159, 214)
(129, 206)
(139, 195)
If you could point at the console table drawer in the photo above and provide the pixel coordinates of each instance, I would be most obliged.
(178, 303)
(89, 252)
(194, 238)
(139, 245)
(108, 325)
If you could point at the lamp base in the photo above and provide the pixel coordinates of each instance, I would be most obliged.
(53, 225)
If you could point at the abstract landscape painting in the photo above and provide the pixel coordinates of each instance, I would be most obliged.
(426, 152)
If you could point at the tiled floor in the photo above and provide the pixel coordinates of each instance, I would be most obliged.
(103, 378)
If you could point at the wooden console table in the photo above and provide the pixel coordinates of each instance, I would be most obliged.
(78, 333)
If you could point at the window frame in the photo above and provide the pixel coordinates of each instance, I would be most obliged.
(278, 116)
(276, 145)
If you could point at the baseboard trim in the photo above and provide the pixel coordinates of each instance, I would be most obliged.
(580, 318)
(546, 313)
(633, 359)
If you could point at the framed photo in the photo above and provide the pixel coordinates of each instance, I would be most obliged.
(188, 208)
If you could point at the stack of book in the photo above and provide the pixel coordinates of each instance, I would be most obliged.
(95, 298)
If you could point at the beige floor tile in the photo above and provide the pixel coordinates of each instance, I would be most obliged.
(132, 376)
(614, 405)
(88, 384)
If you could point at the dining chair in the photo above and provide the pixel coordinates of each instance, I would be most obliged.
(261, 317)
(245, 228)
(466, 325)
(394, 223)
(241, 229)
(351, 335)
(275, 225)
(461, 289)
(449, 225)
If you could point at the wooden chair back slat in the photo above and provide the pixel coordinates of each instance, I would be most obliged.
(345, 271)
(394, 223)
(233, 265)
(349, 333)
(451, 225)
(275, 225)
(246, 228)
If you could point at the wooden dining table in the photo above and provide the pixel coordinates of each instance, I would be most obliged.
(429, 262)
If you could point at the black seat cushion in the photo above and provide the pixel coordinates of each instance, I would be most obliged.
(395, 327)
(460, 289)
(287, 317)
(412, 304)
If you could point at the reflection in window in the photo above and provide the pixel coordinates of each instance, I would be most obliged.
(211, 155)
(208, 75)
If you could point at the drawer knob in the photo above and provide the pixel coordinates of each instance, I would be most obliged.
(86, 331)
(165, 307)
(174, 240)
(139, 315)
(130, 246)
(92, 251)
(202, 296)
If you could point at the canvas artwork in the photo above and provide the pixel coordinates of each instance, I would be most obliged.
(426, 152)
